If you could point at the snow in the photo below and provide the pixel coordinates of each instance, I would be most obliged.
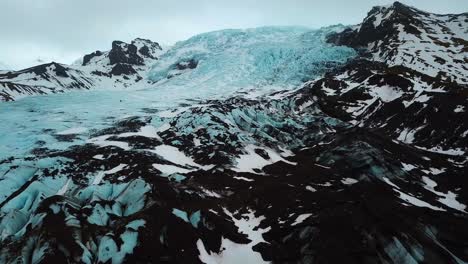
(170, 169)
(386, 180)
(408, 167)
(434, 171)
(163, 128)
(451, 152)
(349, 181)
(171, 113)
(407, 136)
(300, 219)
(250, 161)
(234, 253)
(243, 179)
(101, 174)
(459, 109)
(411, 199)
(103, 142)
(448, 199)
(98, 157)
(145, 131)
(322, 166)
(73, 130)
(386, 93)
(310, 188)
(176, 156)
(417, 202)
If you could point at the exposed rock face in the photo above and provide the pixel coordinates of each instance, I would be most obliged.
(124, 53)
(88, 57)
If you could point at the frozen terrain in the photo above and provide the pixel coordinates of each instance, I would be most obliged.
(292, 56)
(267, 145)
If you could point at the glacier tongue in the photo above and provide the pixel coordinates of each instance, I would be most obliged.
(269, 58)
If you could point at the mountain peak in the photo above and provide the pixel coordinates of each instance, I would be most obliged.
(134, 53)
(402, 35)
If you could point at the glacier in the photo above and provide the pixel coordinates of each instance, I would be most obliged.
(39, 134)
(272, 59)
(260, 59)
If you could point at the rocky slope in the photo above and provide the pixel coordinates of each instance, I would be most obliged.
(121, 67)
(363, 165)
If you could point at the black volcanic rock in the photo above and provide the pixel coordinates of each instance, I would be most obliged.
(87, 58)
(122, 52)
(190, 64)
(122, 69)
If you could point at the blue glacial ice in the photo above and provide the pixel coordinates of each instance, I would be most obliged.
(266, 58)
(228, 62)
(214, 65)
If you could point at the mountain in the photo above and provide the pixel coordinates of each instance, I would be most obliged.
(402, 35)
(123, 66)
(401, 87)
(355, 157)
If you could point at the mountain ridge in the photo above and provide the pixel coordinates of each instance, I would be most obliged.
(118, 68)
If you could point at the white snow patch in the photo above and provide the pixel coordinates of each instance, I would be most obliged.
(145, 131)
(196, 142)
(386, 180)
(234, 253)
(407, 136)
(408, 167)
(305, 105)
(250, 161)
(349, 181)
(103, 142)
(73, 130)
(386, 93)
(322, 166)
(170, 169)
(417, 202)
(98, 157)
(451, 152)
(449, 199)
(459, 109)
(434, 171)
(101, 174)
(411, 199)
(243, 178)
(172, 113)
(310, 188)
(163, 128)
(176, 156)
(300, 219)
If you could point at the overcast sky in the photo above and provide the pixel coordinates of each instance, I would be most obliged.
(63, 30)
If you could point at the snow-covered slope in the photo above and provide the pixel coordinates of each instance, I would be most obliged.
(123, 66)
(401, 35)
(410, 83)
